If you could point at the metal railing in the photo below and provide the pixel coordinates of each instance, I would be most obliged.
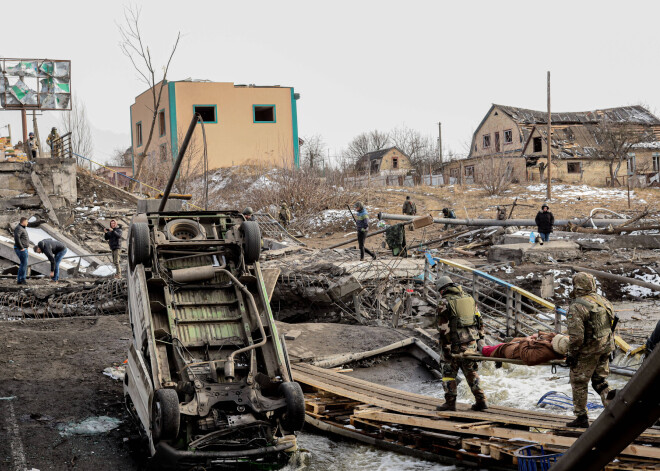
(507, 310)
(61, 147)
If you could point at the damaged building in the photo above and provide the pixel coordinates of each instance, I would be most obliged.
(588, 147)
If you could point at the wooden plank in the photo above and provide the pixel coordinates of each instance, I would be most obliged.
(500, 432)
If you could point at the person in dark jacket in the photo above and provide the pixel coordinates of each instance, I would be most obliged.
(21, 242)
(653, 340)
(362, 226)
(544, 222)
(113, 236)
(54, 252)
(409, 208)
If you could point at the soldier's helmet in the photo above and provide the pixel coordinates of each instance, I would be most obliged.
(445, 211)
(443, 282)
(54, 129)
(247, 211)
(283, 204)
(359, 205)
(583, 283)
(408, 198)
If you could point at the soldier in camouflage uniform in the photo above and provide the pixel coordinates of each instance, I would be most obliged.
(461, 329)
(590, 318)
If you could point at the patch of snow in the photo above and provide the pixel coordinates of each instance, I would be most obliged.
(90, 426)
(32, 219)
(104, 270)
(580, 192)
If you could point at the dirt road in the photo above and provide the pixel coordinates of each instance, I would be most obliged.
(53, 369)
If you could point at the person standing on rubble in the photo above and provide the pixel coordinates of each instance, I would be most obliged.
(33, 146)
(460, 330)
(590, 319)
(285, 215)
(53, 141)
(21, 243)
(362, 227)
(409, 208)
(544, 222)
(54, 252)
(113, 236)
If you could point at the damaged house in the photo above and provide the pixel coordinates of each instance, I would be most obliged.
(594, 147)
(390, 161)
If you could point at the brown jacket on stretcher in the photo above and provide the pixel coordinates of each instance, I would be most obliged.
(533, 350)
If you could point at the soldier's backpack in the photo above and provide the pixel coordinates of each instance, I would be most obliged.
(464, 308)
(601, 315)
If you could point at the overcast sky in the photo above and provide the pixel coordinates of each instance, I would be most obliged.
(358, 65)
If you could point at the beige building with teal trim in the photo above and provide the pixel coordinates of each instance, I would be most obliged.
(244, 124)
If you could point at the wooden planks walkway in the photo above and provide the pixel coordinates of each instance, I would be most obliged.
(381, 405)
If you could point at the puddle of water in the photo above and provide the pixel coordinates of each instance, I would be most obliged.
(89, 426)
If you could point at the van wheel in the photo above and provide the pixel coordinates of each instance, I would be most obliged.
(165, 418)
(251, 241)
(139, 245)
(294, 417)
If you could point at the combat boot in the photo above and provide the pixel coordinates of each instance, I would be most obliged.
(450, 404)
(581, 421)
(479, 406)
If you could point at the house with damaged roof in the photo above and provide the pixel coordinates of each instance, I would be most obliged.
(390, 161)
(599, 147)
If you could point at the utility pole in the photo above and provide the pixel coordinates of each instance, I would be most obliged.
(548, 195)
(440, 141)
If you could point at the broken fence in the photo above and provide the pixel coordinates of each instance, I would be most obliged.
(507, 310)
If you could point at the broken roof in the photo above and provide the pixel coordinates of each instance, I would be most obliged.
(378, 154)
(623, 114)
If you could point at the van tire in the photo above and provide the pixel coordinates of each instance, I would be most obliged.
(139, 246)
(251, 241)
(165, 417)
(293, 418)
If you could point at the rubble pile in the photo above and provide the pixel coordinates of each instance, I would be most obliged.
(80, 298)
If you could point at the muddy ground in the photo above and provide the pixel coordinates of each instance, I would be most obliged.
(54, 369)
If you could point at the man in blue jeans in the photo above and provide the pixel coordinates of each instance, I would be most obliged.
(54, 252)
(21, 243)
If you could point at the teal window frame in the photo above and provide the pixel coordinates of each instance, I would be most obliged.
(215, 111)
(254, 118)
(164, 123)
(140, 141)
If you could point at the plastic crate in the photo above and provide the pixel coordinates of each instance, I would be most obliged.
(534, 458)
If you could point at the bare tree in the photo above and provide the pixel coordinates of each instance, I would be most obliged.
(614, 141)
(364, 143)
(313, 150)
(76, 123)
(122, 157)
(133, 46)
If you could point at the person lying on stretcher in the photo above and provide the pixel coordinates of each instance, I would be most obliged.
(533, 350)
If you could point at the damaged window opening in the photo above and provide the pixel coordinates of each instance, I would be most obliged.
(263, 113)
(207, 112)
(486, 141)
(395, 162)
(656, 162)
(138, 133)
(508, 136)
(538, 144)
(574, 167)
(161, 123)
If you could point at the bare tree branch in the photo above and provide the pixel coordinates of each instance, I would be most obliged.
(133, 46)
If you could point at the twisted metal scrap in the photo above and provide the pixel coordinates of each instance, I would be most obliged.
(108, 297)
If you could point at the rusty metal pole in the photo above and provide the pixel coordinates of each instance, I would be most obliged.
(548, 195)
(25, 131)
